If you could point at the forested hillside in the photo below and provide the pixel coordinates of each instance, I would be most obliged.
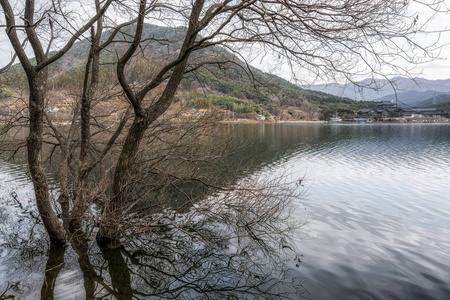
(440, 102)
(230, 84)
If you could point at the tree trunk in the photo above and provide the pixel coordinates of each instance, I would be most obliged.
(112, 214)
(79, 207)
(90, 83)
(37, 83)
(64, 179)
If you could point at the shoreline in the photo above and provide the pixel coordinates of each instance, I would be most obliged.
(254, 121)
(250, 121)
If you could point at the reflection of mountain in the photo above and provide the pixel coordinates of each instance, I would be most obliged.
(241, 150)
(410, 92)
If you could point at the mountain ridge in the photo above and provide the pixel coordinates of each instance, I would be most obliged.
(410, 92)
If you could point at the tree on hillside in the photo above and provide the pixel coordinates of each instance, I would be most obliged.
(345, 37)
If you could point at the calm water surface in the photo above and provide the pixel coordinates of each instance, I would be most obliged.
(376, 206)
(378, 209)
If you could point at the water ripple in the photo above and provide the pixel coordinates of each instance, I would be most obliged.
(381, 212)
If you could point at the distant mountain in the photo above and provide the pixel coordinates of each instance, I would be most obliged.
(412, 98)
(409, 92)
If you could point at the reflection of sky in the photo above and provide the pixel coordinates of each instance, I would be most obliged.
(20, 238)
(380, 210)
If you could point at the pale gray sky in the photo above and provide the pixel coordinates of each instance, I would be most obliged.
(435, 69)
(438, 69)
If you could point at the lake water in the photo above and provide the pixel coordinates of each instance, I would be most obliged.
(379, 210)
(376, 205)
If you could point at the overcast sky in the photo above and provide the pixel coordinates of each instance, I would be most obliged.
(438, 69)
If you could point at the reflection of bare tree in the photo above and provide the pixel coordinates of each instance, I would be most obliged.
(231, 252)
(180, 268)
(93, 277)
(119, 273)
(109, 278)
(234, 244)
(4, 296)
(167, 265)
(81, 247)
(55, 262)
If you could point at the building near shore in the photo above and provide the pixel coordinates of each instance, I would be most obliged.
(387, 109)
(422, 112)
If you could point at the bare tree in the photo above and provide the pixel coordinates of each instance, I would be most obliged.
(310, 109)
(338, 37)
(342, 38)
(37, 82)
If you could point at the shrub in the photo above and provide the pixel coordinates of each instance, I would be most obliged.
(6, 92)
